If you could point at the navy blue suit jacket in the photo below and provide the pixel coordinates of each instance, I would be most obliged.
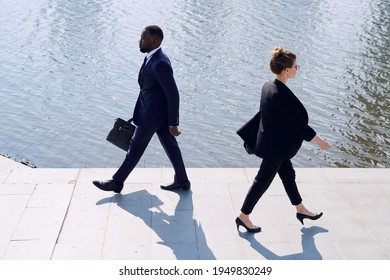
(158, 100)
(284, 123)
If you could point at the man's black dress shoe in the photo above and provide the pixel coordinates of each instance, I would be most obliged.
(109, 185)
(174, 186)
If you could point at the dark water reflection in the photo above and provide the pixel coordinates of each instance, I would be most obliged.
(69, 68)
(368, 103)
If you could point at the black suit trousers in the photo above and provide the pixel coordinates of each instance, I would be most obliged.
(267, 172)
(140, 141)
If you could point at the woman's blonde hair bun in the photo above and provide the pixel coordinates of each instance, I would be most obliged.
(277, 51)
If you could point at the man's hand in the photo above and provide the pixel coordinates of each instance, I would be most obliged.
(174, 130)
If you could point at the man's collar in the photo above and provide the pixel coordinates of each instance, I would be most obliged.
(149, 55)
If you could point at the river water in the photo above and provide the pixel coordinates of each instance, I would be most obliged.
(68, 68)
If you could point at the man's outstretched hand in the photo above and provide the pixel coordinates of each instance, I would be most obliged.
(174, 130)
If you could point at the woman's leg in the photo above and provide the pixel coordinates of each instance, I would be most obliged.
(263, 180)
(287, 175)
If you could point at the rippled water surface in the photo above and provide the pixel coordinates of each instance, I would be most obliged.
(69, 68)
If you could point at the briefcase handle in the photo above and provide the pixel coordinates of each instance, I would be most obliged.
(129, 124)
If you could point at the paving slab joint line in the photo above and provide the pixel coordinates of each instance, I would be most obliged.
(17, 225)
(74, 182)
(106, 227)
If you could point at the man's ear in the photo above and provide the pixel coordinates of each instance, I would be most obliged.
(156, 41)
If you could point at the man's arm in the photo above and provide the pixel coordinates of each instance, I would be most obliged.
(164, 75)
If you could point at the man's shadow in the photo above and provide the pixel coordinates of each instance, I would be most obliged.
(180, 232)
(309, 249)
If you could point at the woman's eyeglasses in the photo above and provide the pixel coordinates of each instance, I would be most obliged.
(296, 67)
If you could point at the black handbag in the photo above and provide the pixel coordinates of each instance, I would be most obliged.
(121, 134)
(248, 133)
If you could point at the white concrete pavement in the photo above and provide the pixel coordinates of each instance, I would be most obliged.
(58, 214)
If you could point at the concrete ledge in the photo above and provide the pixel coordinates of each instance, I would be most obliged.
(58, 214)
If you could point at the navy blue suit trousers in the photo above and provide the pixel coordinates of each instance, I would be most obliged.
(140, 141)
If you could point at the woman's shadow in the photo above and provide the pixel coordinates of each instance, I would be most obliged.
(180, 232)
(309, 249)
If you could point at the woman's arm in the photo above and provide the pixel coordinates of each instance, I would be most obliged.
(322, 143)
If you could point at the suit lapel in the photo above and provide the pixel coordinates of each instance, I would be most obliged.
(144, 69)
(141, 70)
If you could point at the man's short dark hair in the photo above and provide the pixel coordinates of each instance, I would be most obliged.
(156, 31)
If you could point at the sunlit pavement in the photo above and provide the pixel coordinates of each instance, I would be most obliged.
(59, 214)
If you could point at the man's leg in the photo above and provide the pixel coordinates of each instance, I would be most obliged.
(171, 147)
(140, 141)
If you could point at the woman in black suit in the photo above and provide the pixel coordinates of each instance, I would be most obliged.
(283, 127)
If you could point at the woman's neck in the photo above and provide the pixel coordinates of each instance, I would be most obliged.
(282, 78)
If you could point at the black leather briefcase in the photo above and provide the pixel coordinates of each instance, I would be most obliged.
(121, 134)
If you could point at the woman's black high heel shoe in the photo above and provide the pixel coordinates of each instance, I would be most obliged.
(241, 223)
(301, 216)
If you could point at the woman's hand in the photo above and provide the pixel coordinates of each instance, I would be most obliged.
(322, 143)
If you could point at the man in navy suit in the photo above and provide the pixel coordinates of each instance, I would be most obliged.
(156, 111)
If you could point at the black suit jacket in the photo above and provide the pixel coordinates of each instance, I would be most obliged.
(158, 100)
(284, 123)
